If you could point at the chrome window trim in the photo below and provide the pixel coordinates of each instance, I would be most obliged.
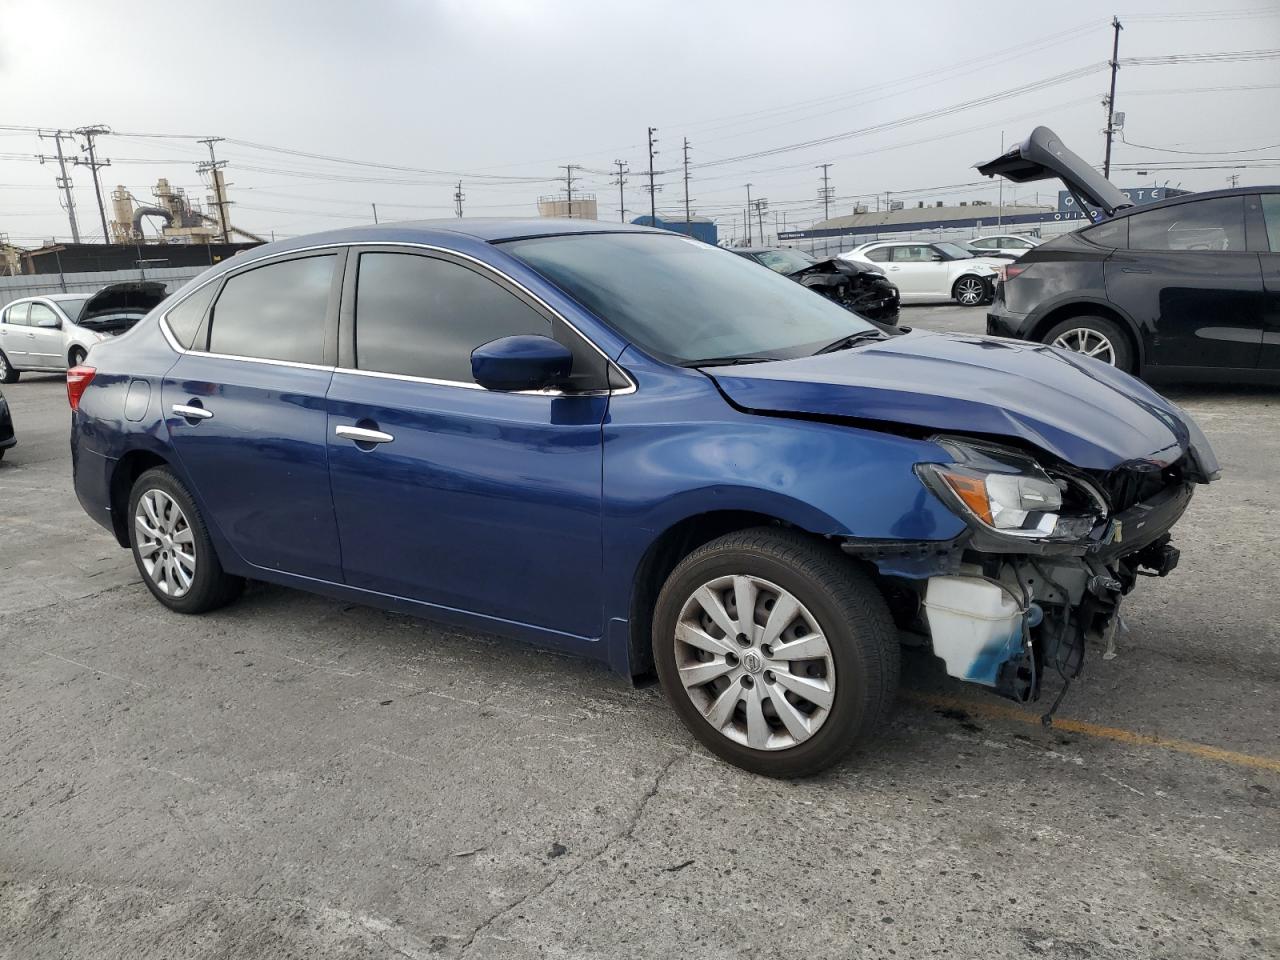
(484, 267)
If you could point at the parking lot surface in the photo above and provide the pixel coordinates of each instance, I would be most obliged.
(296, 777)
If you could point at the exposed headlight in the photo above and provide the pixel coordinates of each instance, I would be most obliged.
(1009, 493)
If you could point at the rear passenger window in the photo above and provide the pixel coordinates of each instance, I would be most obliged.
(276, 312)
(1112, 233)
(880, 255)
(17, 315)
(421, 316)
(1271, 214)
(1216, 224)
(186, 318)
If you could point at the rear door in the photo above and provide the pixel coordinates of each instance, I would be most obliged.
(245, 409)
(1188, 275)
(13, 334)
(470, 499)
(45, 338)
(1269, 254)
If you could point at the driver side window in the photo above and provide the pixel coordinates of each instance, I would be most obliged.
(43, 316)
(916, 253)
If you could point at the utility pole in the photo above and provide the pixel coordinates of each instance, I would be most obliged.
(1000, 207)
(653, 204)
(64, 182)
(825, 192)
(621, 181)
(375, 212)
(761, 205)
(93, 163)
(568, 177)
(749, 217)
(214, 169)
(1111, 97)
(1235, 180)
(458, 197)
(686, 184)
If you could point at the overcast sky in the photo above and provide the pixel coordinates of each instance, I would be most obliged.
(493, 90)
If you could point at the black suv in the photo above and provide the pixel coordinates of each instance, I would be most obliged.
(1186, 287)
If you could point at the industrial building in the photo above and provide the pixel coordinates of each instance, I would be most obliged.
(581, 207)
(700, 228)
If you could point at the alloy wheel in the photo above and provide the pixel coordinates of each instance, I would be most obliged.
(4, 367)
(970, 290)
(166, 543)
(1089, 342)
(755, 662)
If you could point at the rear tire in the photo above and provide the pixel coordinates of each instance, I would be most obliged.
(970, 291)
(838, 683)
(1096, 337)
(172, 548)
(7, 373)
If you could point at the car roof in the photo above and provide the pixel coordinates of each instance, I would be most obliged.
(55, 297)
(498, 229)
(1190, 197)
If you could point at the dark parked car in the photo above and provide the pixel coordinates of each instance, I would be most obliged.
(861, 287)
(1186, 287)
(7, 438)
(624, 444)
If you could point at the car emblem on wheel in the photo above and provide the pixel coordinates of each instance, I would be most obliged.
(751, 662)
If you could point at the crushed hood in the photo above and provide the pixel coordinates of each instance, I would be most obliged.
(131, 299)
(1079, 410)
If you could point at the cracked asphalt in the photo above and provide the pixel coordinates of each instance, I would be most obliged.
(295, 777)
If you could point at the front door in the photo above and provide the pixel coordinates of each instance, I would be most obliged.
(45, 338)
(917, 272)
(445, 492)
(245, 410)
(1188, 274)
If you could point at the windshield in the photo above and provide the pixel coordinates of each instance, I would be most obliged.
(956, 251)
(785, 261)
(72, 306)
(684, 301)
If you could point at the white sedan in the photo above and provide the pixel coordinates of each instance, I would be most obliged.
(1008, 244)
(925, 272)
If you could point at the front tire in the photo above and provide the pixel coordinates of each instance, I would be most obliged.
(1095, 337)
(7, 373)
(789, 688)
(969, 290)
(172, 548)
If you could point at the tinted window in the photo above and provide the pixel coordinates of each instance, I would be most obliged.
(17, 315)
(1271, 214)
(880, 255)
(986, 243)
(1015, 243)
(43, 316)
(1113, 233)
(186, 318)
(422, 317)
(275, 312)
(1201, 225)
(915, 253)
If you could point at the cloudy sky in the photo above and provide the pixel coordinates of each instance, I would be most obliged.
(501, 94)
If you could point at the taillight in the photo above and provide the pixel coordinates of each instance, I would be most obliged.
(1011, 270)
(78, 380)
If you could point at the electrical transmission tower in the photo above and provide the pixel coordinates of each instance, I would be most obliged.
(214, 168)
(64, 182)
(623, 170)
(93, 163)
(825, 192)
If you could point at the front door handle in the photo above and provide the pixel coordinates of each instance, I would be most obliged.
(192, 413)
(362, 435)
(1134, 270)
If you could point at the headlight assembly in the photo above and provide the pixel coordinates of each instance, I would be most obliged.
(1007, 493)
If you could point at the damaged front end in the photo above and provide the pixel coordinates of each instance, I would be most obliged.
(1048, 554)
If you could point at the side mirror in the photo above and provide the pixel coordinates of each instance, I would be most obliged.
(48, 323)
(937, 258)
(520, 363)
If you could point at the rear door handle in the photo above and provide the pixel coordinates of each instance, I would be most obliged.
(192, 413)
(1134, 270)
(362, 435)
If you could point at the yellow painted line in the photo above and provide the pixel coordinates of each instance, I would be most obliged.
(1119, 735)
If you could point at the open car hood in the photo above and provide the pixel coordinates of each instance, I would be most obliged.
(1043, 156)
(1079, 410)
(117, 303)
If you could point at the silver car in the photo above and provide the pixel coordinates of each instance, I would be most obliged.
(54, 332)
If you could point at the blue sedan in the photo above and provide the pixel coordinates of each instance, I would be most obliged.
(629, 445)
